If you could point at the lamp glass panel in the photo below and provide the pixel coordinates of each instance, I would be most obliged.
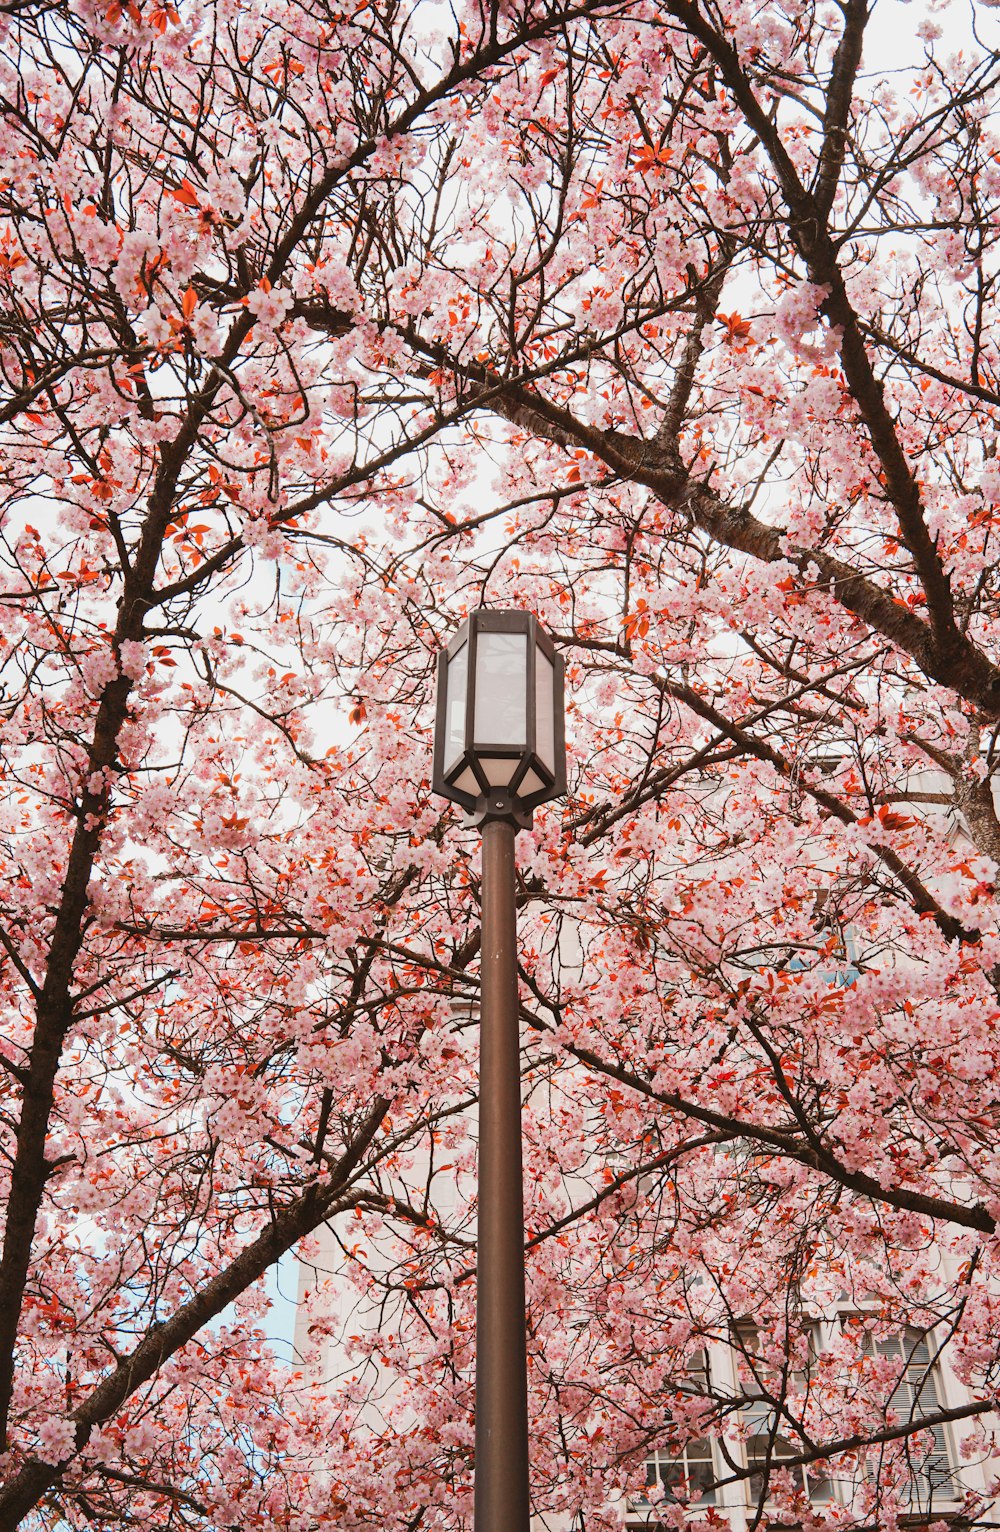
(531, 782)
(454, 725)
(467, 782)
(545, 701)
(501, 689)
(498, 771)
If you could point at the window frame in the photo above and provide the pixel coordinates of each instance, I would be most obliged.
(642, 1513)
(780, 1445)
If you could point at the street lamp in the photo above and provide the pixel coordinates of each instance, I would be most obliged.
(499, 751)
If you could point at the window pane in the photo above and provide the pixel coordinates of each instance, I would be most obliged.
(501, 689)
(687, 1475)
(818, 1486)
(766, 1456)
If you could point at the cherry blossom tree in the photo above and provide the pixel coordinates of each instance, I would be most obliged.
(677, 325)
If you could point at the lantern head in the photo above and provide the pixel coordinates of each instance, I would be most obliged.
(499, 744)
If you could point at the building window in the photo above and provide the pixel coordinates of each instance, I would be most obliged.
(832, 949)
(771, 1390)
(767, 1455)
(687, 1475)
(774, 1395)
(915, 1397)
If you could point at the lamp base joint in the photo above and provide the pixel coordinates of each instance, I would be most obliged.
(498, 804)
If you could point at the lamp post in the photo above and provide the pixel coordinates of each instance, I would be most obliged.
(499, 751)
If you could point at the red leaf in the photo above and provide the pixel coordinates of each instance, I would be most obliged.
(185, 194)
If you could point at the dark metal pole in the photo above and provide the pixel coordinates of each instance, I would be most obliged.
(501, 1366)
